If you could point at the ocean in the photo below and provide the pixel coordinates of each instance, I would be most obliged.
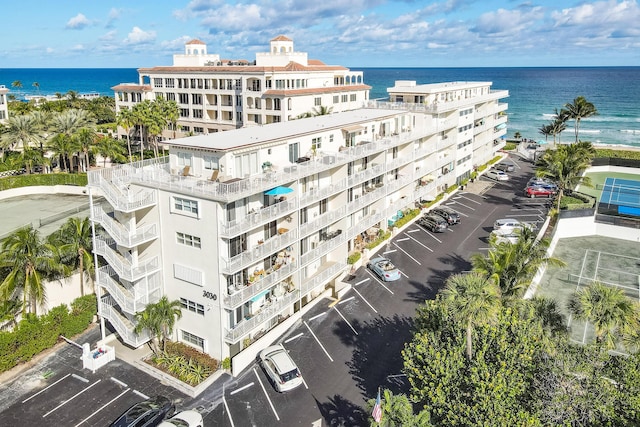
(534, 93)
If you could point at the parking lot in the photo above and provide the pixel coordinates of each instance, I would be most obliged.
(346, 349)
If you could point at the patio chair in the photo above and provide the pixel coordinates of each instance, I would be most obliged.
(214, 176)
(186, 170)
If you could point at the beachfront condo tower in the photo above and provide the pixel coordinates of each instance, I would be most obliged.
(251, 227)
(4, 105)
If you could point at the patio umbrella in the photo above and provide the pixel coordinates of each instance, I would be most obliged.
(541, 142)
(278, 191)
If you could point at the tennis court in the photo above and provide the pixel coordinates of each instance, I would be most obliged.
(620, 196)
(614, 263)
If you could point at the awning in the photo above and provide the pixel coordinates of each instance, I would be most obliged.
(501, 126)
(427, 178)
(353, 129)
(259, 296)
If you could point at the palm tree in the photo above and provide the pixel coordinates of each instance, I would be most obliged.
(581, 108)
(322, 110)
(545, 130)
(517, 135)
(126, 120)
(148, 320)
(111, 148)
(22, 131)
(17, 84)
(168, 312)
(62, 146)
(170, 113)
(29, 261)
(608, 308)
(474, 298)
(84, 140)
(37, 86)
(73, 241)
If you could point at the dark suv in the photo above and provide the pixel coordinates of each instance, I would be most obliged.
(447, 213)
(433, 223)
(505, 167)
(148, 413)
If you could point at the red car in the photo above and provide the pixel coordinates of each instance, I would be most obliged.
(538, 192)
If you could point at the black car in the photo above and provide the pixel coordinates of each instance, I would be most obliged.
(148, 413)
(505, 167)
(447, 213)
(433, 223)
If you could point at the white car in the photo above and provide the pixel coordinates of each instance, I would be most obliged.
(497, 175)
(184, 419)
(508, 225)
(280, 368)
(505, 236)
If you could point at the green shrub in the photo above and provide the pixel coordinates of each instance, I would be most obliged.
(509, 146)
(452, 188)
(186, 363)
(353, 258)
(226, 363)
(576, 201)
(482, 168)
(37, 333)
(382, 236)
(407, 216)
(17, 181)
(618, 154)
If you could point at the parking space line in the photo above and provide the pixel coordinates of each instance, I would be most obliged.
(142, 395)
(363, 299)
(78, 377)
(407, 254)
(415, 230)
(265, 393)
(362, 281)
(317, 340)
(102, 407)
(388, 252)
(401, 240)
(402, 272)
(346, 321)
(380, 282)
(345, 300)
(244, 387)
(318, 315)
(422, 244)
(468, 207)
(228, 411)
(469, 199)
(45, 389)
(117, 381)
(293, 338)
(70, 399)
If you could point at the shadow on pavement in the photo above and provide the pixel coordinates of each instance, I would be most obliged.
(339, 411)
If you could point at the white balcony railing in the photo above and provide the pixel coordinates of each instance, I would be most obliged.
(121, 324)
(247, 292)
(323, 220)
(323, 248)
(323, 192)
(130, 300)
(257, 218)
(120, 198)
(123, 265)
(259, 252)
(121, 234)
(321, 277)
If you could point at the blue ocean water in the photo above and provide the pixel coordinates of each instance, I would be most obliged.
(534, 92)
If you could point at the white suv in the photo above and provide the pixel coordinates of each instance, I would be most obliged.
(508, 225)
(497, 175)
(280, 367)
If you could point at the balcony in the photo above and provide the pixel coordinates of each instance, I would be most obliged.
(322, 221)
(365, 175)
(122, 324)
(121, 234)
(322, 276)
(130, 300)
(365, 223)
(268, 312)
(257, 218)
(124, 266)
(366, 199)
(323, 248)
(115, 188)
(260, 252)
(322, 193)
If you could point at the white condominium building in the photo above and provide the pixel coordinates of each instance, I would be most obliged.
(247, 227)
(219, 94)
(4, 105)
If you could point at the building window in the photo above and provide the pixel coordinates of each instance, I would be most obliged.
(345, 98)
(171, 96)
(316, 143)
(185, 205)
(352, 97)
(197, 129)
(331, 138)
(169, 83)
(317, 102)
(188, 240)
(184, 159)
(197, 114)
(464, 128)
(336, 99)
(193, 339)
(192, 306)
(157, 82)
(211, 162)
(184, 112)
(184, 98)
(293, 152)
(196, 99)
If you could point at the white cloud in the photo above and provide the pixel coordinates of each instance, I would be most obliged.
(113, 16)
(109, 36)
(50, 50)
(78, 22)
(175, 45)
(139, 36)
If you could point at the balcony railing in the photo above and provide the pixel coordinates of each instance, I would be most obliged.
(258, 253)
(365, 223)
(323, 220)
(123, 265)
(323, 192)
(323, 248)
(130, 300)
(121, 324)
(366, 199)
(121, 200)
(246, 293)
(267, 313)
(121, 234)
(260, 217)
(365, 175)
(321, 277)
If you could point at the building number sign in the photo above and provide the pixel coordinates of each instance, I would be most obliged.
(209, 295)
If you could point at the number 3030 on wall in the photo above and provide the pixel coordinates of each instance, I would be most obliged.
(209, 295)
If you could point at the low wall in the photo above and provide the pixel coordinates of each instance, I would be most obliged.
(43, 189)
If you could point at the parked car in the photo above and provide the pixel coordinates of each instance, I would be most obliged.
(280, 368)
(505, 236)
(433, 223)
(497, 175)
(447, 213)
(184, 419)
(148, 413)
(384, 269)
(510, 224)
(505, 167)
(541, 182)
(537, 191)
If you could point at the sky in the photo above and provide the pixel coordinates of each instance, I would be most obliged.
(352, 33)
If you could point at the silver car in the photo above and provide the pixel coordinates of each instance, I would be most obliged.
(280, 368)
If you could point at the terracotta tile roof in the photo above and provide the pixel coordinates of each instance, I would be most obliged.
(131, 88)
(195, 41)
(308, 91)
(315, 62)
(281, 38)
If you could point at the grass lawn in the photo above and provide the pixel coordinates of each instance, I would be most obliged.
(598, 178)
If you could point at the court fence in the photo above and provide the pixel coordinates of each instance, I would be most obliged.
(614, 161)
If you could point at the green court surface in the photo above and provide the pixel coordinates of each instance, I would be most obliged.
(598, 178)
(613, 262)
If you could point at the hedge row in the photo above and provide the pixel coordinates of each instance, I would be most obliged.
(617, 154)
(37, 333)
(10, 182)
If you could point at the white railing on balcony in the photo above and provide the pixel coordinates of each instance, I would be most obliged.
(121, 234)
(323, 248)
(259, 252)
(257, 218)
(121, 324)
(122, 201)
(268, 312)
(425, 150)
(130, 300)
(123, 265)
(394, 184)
(424, 190)
(440, 106)
(366, 199)
(365, 175)
(322, 192)
(268, 280)
(365, 223)
(323, 220)
(322, 277)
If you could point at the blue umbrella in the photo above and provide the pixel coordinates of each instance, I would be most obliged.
(278, 191)
(541, 142)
